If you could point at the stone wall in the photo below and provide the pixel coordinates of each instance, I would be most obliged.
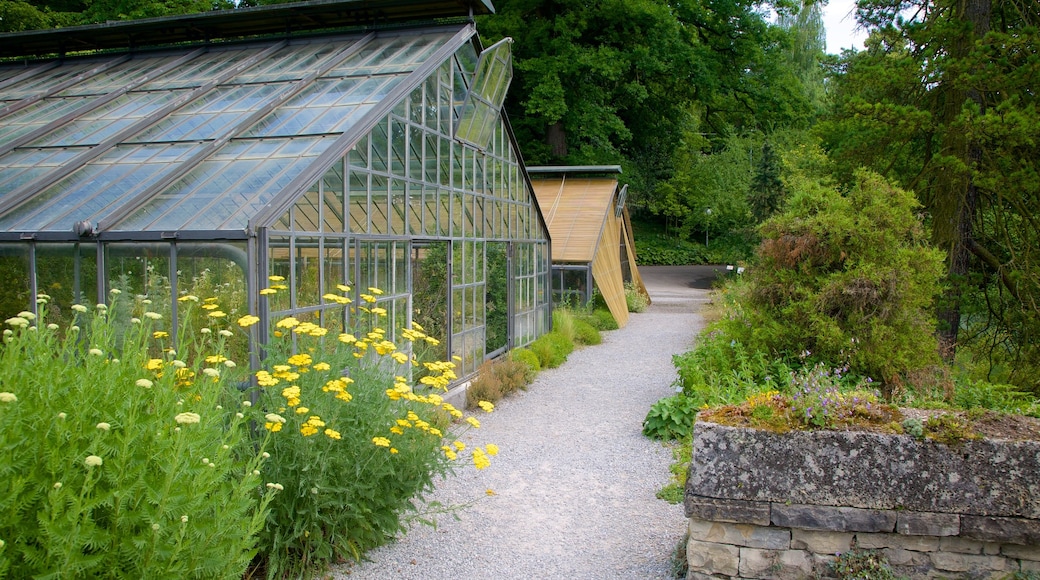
(766, 505)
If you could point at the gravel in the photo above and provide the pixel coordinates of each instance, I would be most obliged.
(571, 494)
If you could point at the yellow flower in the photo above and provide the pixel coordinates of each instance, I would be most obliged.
(332, 434)
(375, 291)
(287, 322)
(154, 364)
(104, 426)
(276, 278)
(264, 379)
(381, 441)
(160, 334)
(473, 421)
(209, 306)
(397, 430)
(490, 492)
(322, 366)
(217, 314)
(347, 338)
(92, 461)
(400, 357)
(344, 396)
(393, 451)
(459, 445)
(368, 298)
(480, 461)
(308, 430)
(292, 395)
(188, 297)
(302, 410)
(248, 320)
(300, 360)
(6, 397)
(343, 287)
(492, 449)
(268, 291)
(378, 311)
(488, 406)
(215, 358)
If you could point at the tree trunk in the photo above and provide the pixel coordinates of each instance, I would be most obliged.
(556, 138)
(956, 197)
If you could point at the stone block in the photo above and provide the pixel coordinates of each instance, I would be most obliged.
(709, 558)
(951, 562)
(866, 470)
(928, 524)
(915, 543)
(906, 558)
(727, 510)
(1021, 552)
(834, 519)
(1004, 530)
(821, 542)
(960, 545)
(771, 538)
(1029, 565)
(775, 564)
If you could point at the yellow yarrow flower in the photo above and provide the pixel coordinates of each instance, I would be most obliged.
(381, 441)
(488, 406)
(332, 434)
(492, 449)
(287, 322)
(276, 278)
(480, 461)
(300, 360)
(474, 422)
(268, 291)
(248, 320)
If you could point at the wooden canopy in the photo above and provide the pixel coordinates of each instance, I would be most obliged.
(588, 224)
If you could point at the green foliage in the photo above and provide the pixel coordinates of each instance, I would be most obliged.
(497, 379)
(657, 249)
(121, 459)
(862, 565)
(552, 349)
(585, 333)
(353, 444)
(563, 323)
(527, 357)
(635, 299)
(602, 319)
(1004, 398)
(670, 418)
(842, 277)
(682, 455)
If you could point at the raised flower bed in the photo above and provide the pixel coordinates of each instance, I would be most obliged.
(767, 504)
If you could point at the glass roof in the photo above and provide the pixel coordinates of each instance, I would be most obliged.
(190, 140)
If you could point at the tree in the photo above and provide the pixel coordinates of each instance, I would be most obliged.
(766, 192)
(940, 101)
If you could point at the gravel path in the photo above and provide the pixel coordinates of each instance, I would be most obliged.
(574, 483)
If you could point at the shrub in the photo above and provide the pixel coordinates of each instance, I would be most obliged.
(636, 300)
(552, 349)
(122, 457)
(842, 278)
(602, 319)
(496, 379)
(352, 445)
(862, 565)
(530, 360)
(585, 333)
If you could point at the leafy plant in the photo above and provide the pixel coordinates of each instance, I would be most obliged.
(528, 358)
(862, 565)
(585, 333)
(670, 418)
(817, 400)
(353, 443)
(682, 454)
(552, 349)
(636, 300)
(496, 379)
(123, 456)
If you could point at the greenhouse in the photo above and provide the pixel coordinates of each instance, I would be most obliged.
(593, 248)
(266, 159)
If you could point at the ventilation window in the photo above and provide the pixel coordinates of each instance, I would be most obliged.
(487, 92)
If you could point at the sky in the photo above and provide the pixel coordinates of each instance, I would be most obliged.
(839, 19)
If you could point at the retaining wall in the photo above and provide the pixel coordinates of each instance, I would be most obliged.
(767, 505)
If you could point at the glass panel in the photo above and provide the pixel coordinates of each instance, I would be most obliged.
(398, 206)
(36, 115)
(68, 274)
(359, 202)
(415, 153)
(116, 77)
(216, 274)
(45, 81)
(334, 272)
(142, 271)
(14, 267)
(332, 186)
(397, 147)
(379, 148)
(307, 210)
(379, 210)
(307, 290)
(497, 296)
(276, 288)
(96, 126)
